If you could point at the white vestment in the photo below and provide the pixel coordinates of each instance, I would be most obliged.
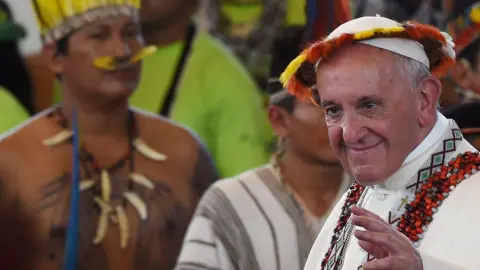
(452, 240)
(250, 222)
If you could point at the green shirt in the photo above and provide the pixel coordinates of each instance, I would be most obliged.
(12, 113)
(251, 12)
(216, 98)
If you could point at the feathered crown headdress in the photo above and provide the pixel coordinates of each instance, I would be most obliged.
(58, 18)
(423, 43)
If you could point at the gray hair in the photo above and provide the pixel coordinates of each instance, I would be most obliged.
(414, 72)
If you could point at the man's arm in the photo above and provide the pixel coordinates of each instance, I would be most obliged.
(204, 173)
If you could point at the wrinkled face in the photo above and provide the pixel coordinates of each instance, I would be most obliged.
(372, 114)
(118, 37)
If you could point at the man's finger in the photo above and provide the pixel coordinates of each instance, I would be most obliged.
(372, 249)
(384, 241)
(370, 224)
(359, 211)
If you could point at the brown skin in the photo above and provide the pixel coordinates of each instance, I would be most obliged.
(100, 99)
(366, 123)
(18, 237)
(166, 21)
(310, 166)
(374, 121)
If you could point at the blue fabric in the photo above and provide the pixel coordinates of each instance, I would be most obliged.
(72, 233)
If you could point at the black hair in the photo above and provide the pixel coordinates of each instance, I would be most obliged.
(466, 116)
(61, 49)
(285, 48)
(62, 46)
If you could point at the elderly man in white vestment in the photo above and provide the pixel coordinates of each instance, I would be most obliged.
(414, 203)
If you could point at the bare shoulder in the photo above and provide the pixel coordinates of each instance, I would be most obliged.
(186, 153)
(164, 135)
(23, 144)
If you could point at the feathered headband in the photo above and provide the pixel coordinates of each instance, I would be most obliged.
(59, 18)
(423, 43)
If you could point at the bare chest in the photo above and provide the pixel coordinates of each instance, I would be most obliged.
(128, 218)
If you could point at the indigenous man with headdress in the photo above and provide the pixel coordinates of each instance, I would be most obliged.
(413, 205)
(268, 218)
(141, 175)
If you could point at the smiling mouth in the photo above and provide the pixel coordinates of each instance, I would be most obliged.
(362, 150)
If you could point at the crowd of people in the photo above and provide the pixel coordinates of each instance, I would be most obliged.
(187, 135)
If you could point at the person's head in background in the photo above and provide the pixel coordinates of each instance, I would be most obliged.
(166, 21)
(14, 76)
(467, 116)
(93, 59)
(298, 124)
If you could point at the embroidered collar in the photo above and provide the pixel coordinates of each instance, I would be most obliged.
(432, 138)
(416, 158)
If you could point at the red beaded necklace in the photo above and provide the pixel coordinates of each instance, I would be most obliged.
(418, 213)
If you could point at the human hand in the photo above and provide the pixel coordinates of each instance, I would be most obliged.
(392, 250)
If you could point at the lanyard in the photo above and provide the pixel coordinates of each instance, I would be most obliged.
(172, 90)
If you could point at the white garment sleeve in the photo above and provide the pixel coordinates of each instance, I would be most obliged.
(432, 263)
(201, 248)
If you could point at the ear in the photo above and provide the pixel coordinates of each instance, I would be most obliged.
(430, 90)
(279, 119)
(53, 60)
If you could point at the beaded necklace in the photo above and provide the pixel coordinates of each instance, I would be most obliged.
(90, 164)
(101, 190)
(418, 213)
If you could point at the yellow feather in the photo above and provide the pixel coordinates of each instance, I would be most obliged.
(292, 68)
(475, 14)
(370, 33)
(52, 14)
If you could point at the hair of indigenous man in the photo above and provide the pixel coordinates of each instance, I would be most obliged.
(285, 48)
